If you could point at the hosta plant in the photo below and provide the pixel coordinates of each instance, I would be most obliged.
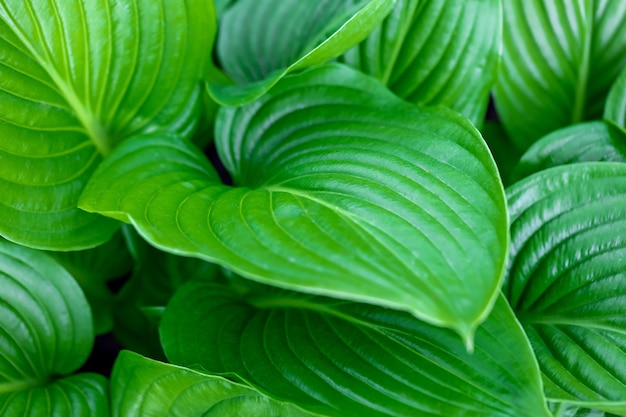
(313, 208)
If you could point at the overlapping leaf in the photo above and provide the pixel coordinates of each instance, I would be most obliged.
(343, 190)
(566, 279)
(615, 109)
(584, 142)
(436, 52)
(155, 277)
(76, 78)
(141, 387)
(259, 42)
(341, 359)
(560, 60)
(92, 268)
(46, 331)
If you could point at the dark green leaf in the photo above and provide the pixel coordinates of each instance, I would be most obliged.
(84, 395)
(436, 52)
(584, 142)
(260, 42)
(560, 409)
(503, 151)
(615, 109)
(154, 279)
(143, 387)
(92, 268)
(76, 78)
(343, 190)
(560, 60)
(566, 279)
(342, 359)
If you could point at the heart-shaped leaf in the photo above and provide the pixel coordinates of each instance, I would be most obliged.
(260, 42)
(76, 78)
(142, 387)
(341, 359)
(343, 190)
(436, 52)
(566, 279)
(560, 60)
(584, 142)
(154, 279)
(46, 331)
(615, 109)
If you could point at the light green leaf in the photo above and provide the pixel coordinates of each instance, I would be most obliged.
(342, 190)
(566, 279)
(92, 268)
(143, 387)
(436, 52)
(75, 79)
(584, 142)
(155, 278)
(260, 42)
(46, 332)
(615, 109)
(560, 60)
(342, 359)
(83, 395)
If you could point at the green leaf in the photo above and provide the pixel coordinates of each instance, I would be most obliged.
(342, 190)
(566, 279)
(142, 387)
(92, 268)
(560, 60)
(584, 142)
(83, 395)
(155, 278)
(615, 109)
(560, 409)
(77, 78)
(436, 52)
(46, 332)
(342, 359)
(504, 153)
(260, 42)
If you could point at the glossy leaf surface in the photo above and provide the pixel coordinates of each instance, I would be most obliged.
(584, 142)
(342, 359)
(615, 110)
(342, 190)
(141, 387)
(46, 332)
(566, 279)
(560, 60)
(259, 42)
(569, 410)
(82, 395)
(75, 79)
(434, 52)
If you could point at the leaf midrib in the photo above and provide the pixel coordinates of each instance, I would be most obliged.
(83, 112)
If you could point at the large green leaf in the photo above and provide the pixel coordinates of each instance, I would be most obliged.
(155, 277)
(584, 142)
(342, 189)
(83, 395)
(75, 79)
(342, 359)
(560, 60)
(615, 109)
(260, 42)
(92, 269)
(436, 52)
(46, 332)
(142, 387)
(566, 279)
